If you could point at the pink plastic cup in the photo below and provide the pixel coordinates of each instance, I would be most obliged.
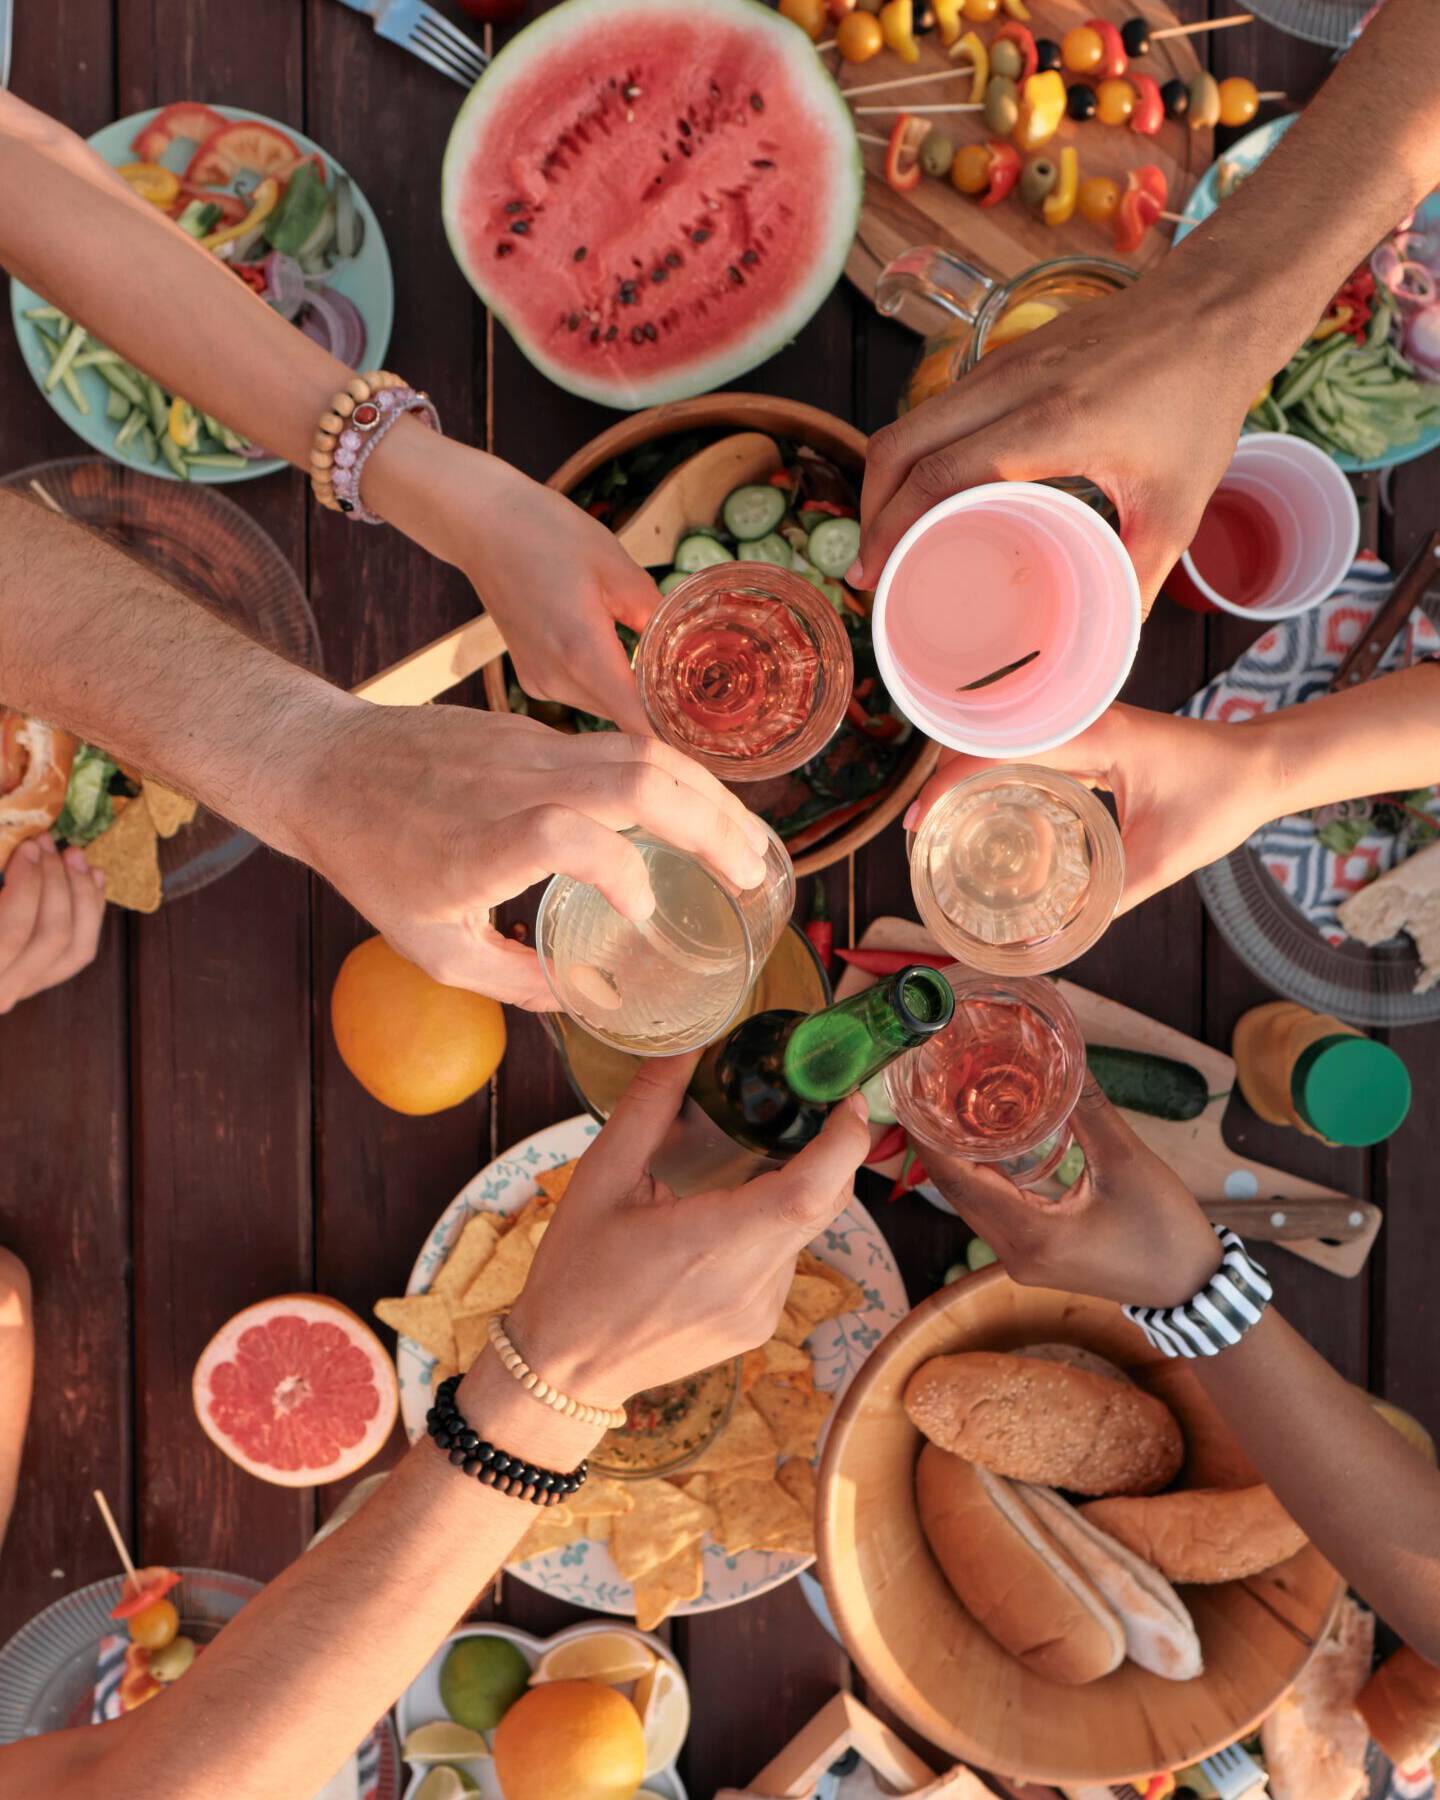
(981, 581)
(1313, 517)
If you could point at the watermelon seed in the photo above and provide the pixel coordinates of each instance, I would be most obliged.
(673, 259)
(632, 91)
(714, 90)
(684, 149)
(612, 334)
(514, 206)
(700, 236)
(751, 257)
(520, 226)
(684, 125)
(650, 331)
(504, 249)
(735, 275)
(573, 322)
(761, 162)
(659, 275)
(595, 335)
(637, 336)
(580, 254)
(757, 104)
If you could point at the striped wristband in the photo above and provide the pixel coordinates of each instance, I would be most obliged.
(1229, 1304)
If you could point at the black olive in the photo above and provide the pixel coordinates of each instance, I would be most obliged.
(923, 21)
(1176, 96)
(1135, 36)
(1080, 101)
(1047, 54)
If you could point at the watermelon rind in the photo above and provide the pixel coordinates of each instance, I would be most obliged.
(845, 196)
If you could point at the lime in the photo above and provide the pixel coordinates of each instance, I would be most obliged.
(481, 1679)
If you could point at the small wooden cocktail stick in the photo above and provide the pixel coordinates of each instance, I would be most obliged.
(115, 1537)
(958, 106)
(46, 498)
(881, 87)
(869, 137)
(1240, 18)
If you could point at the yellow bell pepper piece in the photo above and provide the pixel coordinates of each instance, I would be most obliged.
(1333, 321)
(151, 182)
(972, 45)
(947, 20)
(1059, 203)
(1042, 107)
(1262, 396)
(1017, 9)
(183, 425)
(262, 204)
(897, 27)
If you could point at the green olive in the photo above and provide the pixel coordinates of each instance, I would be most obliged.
(171, 1661)
(1037, 180)
(1002, 105)
(1006, 60)
(936, 154)
(1204, 100)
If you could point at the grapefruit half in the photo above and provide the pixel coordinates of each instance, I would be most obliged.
(297, 1390)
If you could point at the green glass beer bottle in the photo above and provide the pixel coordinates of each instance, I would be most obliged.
(771, 1081)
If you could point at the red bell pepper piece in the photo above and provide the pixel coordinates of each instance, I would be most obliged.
(831, 507)
(782, 478)
(819, 927)
(1116, 61)
(890, 1143)
(1004, 167)
(889, 962)
(1149, 113)
(1140, 206)
(1024, 38)
(912, 1173)
(902, 158)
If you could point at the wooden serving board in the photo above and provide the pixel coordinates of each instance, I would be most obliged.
(1009, 238)
(1325, 1226)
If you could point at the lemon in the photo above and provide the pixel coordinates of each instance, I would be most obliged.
(612, 1657)
(1028, 316)
(663, 1703)
(443, 1741)
(443, 1784)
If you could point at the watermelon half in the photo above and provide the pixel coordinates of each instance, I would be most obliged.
(653, 195)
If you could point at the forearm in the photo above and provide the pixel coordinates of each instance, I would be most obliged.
(1367, 1501)
(1380, 738)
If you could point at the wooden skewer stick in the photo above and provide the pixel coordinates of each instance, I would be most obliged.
(46, 498)
(114, 1530)
(1240, 18)
(1272, 94)
(869, 137)
(880, 87)
(1172, 218)
(865, 112)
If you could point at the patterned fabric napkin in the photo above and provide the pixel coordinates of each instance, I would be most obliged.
(1318, 862)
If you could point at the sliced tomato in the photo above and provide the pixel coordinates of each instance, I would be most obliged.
(243, 144)
(146, 1587)
(1140, 206)
(232, 208)
(182, 119)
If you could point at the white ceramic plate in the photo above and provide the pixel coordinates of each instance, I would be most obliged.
(584, 1573)
(420, 1703)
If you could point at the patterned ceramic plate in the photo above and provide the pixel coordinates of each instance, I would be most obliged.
(584, 1573)
(53, 1673)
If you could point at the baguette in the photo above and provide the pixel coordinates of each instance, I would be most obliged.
(1314, 1740)
(1202, 1535)
(1046, 1422)
(1401, 1705)
(1010, 1576)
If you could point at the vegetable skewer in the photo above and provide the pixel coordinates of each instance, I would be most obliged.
(1169, 31)
(880, 87)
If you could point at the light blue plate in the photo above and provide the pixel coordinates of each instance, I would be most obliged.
(364, 279)
(1248, 154)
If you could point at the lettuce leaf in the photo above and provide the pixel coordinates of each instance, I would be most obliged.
(87, 810)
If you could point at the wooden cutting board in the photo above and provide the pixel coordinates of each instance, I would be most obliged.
(1321, 1224)
(1009, 238)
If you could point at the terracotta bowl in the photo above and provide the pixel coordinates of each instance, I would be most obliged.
(822, 431)
(928, 1660)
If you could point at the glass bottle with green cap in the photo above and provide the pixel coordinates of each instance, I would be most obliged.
(1350, 1089)
(771, 1081)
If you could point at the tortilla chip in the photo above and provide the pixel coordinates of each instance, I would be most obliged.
(671, 1584)
(425, 1320)
(775, 1358)
(745, 1439)
(468, 1255)
(554, 1529)
(472, 1334)
(797, 1477)
(697, 1486)
(601, 1498)
(849, 1295)
(661, 1523)
(760, 1515)
(552, 1183)
(129, 855)
(168, 809)
(794, 1413)
(811, 1299)
(501, 1278)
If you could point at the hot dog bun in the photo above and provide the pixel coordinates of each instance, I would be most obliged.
(1202, 1534)
(1160, 1635)
(1046, 1422)
(37, 759)
(1401, 1705)
(1010, 1576)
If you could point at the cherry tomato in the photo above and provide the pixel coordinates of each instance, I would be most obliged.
(1239, 100)
(1114, 101)
(155, 1626)
(858, 37)
(809, 15)
(493, 12)
(981, 12)
(1082, 50)
(970, 171)
(1098, 198)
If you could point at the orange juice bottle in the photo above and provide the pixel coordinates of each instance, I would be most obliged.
(1319, 1075)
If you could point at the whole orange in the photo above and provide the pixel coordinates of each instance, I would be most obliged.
(415, 1044)
(570, 1740)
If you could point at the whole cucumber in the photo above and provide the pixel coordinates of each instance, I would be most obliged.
(1147, 1083)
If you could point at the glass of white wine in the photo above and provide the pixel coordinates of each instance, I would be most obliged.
(672, 982)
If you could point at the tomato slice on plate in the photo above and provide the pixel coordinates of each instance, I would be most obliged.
(182, 119)
(243, 144)
(147, 1586)
(232, 208)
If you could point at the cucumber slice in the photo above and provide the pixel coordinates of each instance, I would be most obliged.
(877, 1100)
(668, 583)
(979, 1255)
(834, 544)
(770, 549)
(697, 550)
(753, 512)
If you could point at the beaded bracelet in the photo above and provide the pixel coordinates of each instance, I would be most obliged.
(511, 1475)
(348, 432)
(611, 1417)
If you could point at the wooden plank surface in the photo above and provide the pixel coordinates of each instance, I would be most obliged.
(215, 1165)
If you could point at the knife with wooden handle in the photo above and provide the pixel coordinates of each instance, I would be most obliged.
(1281, 1221)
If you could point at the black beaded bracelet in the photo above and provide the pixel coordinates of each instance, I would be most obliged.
(511, 1475)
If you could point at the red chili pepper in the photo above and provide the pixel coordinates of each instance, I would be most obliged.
(831, 507)
(819, 927)
(1115, 58)
(1149, 113)
(1024, 38)
(864, 689)
(782, 478)
(888, 962)
(856, 714)
(598, 509)
(912, 1173)
(890, 1143)
(1004, 168)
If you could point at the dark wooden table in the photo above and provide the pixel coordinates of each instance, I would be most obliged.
(177, 1135)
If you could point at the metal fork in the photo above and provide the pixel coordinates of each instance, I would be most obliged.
(418, 28)
(1233, 1772)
